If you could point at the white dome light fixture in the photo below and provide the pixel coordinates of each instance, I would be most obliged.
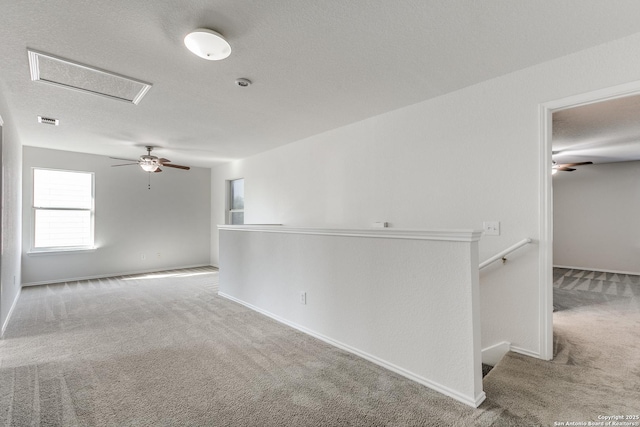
(207, 44)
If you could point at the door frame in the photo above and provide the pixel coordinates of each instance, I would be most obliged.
(546, 111)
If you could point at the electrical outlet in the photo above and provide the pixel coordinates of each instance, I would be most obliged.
(491, 228)
(303, 298)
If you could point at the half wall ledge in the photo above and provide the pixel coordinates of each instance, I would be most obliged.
(382, 233)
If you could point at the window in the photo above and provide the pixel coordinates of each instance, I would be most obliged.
(236, 202)
(62, 210)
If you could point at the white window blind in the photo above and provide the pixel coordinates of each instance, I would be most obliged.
(63, 209)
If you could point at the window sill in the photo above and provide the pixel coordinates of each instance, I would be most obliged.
(58, 251)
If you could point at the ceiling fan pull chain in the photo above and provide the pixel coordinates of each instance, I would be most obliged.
(149, 180)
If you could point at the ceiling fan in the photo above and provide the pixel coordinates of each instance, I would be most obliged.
(151, 163)
(567, 167)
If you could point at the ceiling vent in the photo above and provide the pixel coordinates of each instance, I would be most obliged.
(72, 75)
(48, 121)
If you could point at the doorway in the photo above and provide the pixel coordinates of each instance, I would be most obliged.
(546, 201)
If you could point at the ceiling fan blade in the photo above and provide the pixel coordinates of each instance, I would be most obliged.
(125, 164)
(162, 160)
(576, 164)
(157, 170)
(565, 169)
(169, 165)
(120, 158)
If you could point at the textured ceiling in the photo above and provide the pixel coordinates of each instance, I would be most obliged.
(603, 132)
(315, 65)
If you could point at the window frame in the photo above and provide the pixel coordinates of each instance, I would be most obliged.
(230, 194)
(54, 249)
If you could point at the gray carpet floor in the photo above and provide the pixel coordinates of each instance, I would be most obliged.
(164, 350)
(596, 367)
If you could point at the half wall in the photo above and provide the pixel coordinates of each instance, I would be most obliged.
(404, 299)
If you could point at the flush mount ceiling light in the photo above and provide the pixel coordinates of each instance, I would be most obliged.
(207, 44)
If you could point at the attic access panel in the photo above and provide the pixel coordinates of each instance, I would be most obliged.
(72, 75)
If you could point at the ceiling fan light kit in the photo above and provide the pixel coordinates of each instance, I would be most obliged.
(150, 163)
(207, 44)
(149, 167)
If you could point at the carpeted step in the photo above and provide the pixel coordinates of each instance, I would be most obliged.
(546, 392)
(486, 369)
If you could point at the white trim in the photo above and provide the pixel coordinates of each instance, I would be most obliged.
(474, 402)
(546, 199)
(545, 244)
(60, 250)
(109, 275)
(613, 92)
(1, 121)
(526, 352)
(13, 305)
(633, 273)
(384, 233)
(492, 355)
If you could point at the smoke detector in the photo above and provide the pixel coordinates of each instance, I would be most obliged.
(242, 82)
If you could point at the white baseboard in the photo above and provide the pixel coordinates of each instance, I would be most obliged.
(526, 352)
(633, 273)
(13, 305)
(492, 355)
(104, 276)
(468, 400)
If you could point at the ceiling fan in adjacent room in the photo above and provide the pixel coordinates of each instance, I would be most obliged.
(567, 167)
(150, 163)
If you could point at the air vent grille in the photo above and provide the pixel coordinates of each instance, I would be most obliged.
(48, 121)
(72, 75)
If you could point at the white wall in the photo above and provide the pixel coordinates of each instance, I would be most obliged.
(424, 326)
(595, 214)
(450, 162)
(11, 216)
(172, 218)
